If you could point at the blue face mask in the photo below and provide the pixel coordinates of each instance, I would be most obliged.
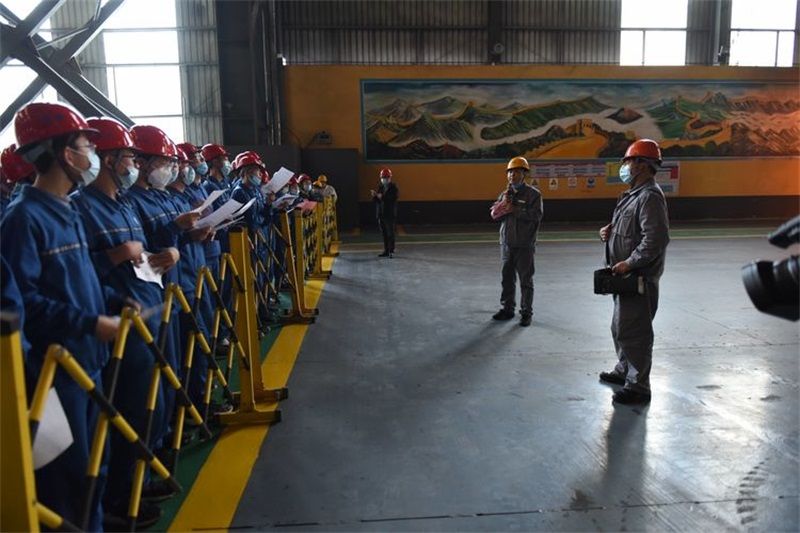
(125, 181)
(226, 169)
(625, 173)
(202, 168)
(187, 175)
(255, 180)
(517, 186)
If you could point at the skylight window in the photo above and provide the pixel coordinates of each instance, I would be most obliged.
(653, 32)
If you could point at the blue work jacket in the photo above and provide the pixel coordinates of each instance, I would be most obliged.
(45, 245)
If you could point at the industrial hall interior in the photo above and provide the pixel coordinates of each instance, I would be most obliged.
(400, 265)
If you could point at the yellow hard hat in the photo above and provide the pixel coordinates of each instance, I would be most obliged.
(518, 162)
(322, 178)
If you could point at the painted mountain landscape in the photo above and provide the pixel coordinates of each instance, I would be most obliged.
(452, 120)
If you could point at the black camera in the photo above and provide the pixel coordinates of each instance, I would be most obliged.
(774, 287)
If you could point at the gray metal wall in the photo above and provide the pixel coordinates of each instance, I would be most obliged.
(199, 65)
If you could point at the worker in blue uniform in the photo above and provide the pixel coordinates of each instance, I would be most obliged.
(193, 258)
(117, 243)
(163, 226)
(45, 245)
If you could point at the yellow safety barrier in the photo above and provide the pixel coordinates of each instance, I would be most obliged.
(248, 410)
(17, 487)
(57, 355)
(330, 227)
(314, 233)
(294, 275)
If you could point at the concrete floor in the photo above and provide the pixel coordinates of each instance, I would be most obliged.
(410, 409)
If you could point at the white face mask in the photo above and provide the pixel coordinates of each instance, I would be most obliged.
(625, 173)
(384, 181)
(226, 169)
(160, 177)
(293, 190)
(307, 187)
(90, 174)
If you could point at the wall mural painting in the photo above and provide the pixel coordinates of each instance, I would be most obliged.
(471, 120)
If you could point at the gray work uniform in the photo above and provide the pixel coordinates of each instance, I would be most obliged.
(639, 235)
(517, 245)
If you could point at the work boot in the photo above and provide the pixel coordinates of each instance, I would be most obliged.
(612, 377)
(384, 254)
(503, 314)
(157, 491)
(630, 397)
(525, 321)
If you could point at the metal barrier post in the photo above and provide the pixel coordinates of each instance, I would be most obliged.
(17, 487)
(295, 272)
(250, 378)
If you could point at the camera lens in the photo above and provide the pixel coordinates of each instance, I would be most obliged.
(774, 287)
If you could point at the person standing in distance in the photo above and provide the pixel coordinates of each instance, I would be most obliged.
(636, 242)
(523, 207)
(385, 199)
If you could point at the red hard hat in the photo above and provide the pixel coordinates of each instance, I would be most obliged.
(183, 154)
(40, 121)
(645, 148)
(303, 177)
(111, 135)
(246, 159)
(293, 180)
(212, 151)
(264, 176)
(14, 166)
(189, 149)
(386, 172)
(151, 140)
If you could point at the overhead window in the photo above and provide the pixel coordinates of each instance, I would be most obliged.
(653, 32)
(141, 48)
(762, 37)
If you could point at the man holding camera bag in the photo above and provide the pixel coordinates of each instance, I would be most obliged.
(636, 243)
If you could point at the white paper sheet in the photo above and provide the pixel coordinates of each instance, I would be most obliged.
(54, 435)
(145, 272)
(279, 179)
(226, 211)
(244, 208)
(284, 201)
(228, 223)
(208, 201)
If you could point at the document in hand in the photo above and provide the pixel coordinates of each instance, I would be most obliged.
(225, 211)
(279, 179)
(208, 201)
(147, 273)
(284, 201)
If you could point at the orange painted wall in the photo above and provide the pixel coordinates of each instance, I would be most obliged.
(329, 98)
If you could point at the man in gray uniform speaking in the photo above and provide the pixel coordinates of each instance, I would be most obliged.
(520, 209)
(636, 243)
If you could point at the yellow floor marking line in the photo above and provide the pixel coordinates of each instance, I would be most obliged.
(216, 492)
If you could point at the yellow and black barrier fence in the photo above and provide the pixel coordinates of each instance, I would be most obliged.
(329, 227)
(58, 356)
(252, 391)
(294, 274)
(309, 242)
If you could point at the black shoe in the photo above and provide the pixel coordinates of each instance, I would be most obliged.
(158, 491)
(149, 514)
(384, 254)
(525, 321)
(503, 314)
(628, 397)
(391, 254)
(612, 377)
